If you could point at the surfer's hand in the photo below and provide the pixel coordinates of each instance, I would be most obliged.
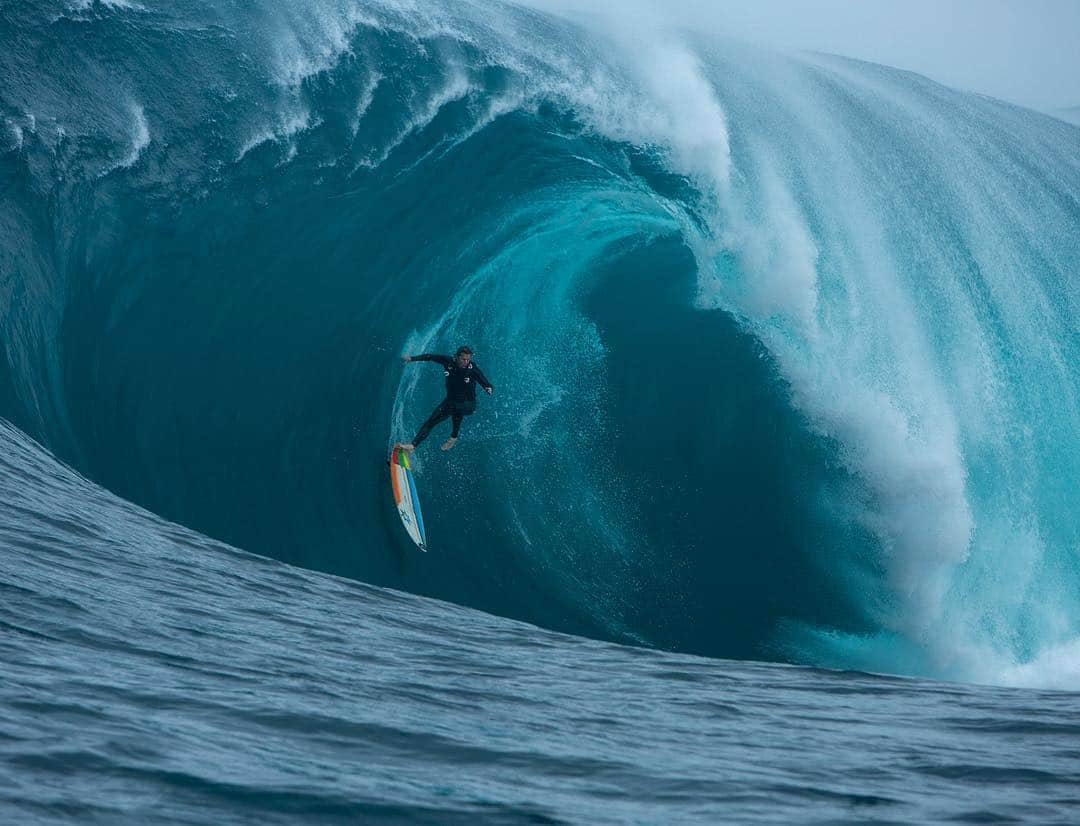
(489, 390)
(406, 359)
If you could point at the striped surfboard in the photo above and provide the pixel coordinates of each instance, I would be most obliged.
(408, 503)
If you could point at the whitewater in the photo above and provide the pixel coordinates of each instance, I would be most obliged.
(785, 349)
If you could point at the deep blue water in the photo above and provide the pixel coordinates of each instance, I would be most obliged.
(786, 361)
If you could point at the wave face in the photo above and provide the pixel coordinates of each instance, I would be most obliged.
(785, 348)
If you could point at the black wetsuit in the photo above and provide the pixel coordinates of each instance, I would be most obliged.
(460, 398)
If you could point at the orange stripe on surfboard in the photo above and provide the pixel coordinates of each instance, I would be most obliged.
(393, 476)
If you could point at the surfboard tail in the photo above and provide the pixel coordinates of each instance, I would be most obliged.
(406, 498)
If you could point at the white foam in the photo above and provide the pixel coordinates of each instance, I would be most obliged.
(781, 254)
(314, 42)
(552, 396)
(288, 125)
(669, 105)
(1056, 667)
(290, 154)
(140, 139)
(127, 5)
(260, 137)
(79, 6)
(16, 133)
(367, 97)
(455, 88)
(496, 106)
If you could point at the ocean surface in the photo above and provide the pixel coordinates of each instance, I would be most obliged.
(153, 675)
(772, 516)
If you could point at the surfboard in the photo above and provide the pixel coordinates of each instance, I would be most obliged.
(408, 503)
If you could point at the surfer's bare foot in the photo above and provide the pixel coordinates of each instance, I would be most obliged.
(449, 443)
(408, 448)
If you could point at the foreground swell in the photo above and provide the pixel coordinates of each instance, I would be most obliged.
(153, 673)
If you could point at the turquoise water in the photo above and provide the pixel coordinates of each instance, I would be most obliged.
(785, 347)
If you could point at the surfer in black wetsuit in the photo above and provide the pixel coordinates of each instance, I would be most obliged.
(462, 376)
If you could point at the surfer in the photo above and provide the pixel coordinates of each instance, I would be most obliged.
(462, 376)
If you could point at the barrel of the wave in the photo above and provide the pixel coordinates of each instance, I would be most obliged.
(408, 503)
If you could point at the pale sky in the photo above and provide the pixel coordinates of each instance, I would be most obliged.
(1025, 52)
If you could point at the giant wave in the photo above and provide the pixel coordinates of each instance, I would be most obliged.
(786, 346)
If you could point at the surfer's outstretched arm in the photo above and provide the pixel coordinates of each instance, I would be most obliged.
(445, 361)
(481, 379)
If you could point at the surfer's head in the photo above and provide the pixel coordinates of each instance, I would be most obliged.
(463, 356)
